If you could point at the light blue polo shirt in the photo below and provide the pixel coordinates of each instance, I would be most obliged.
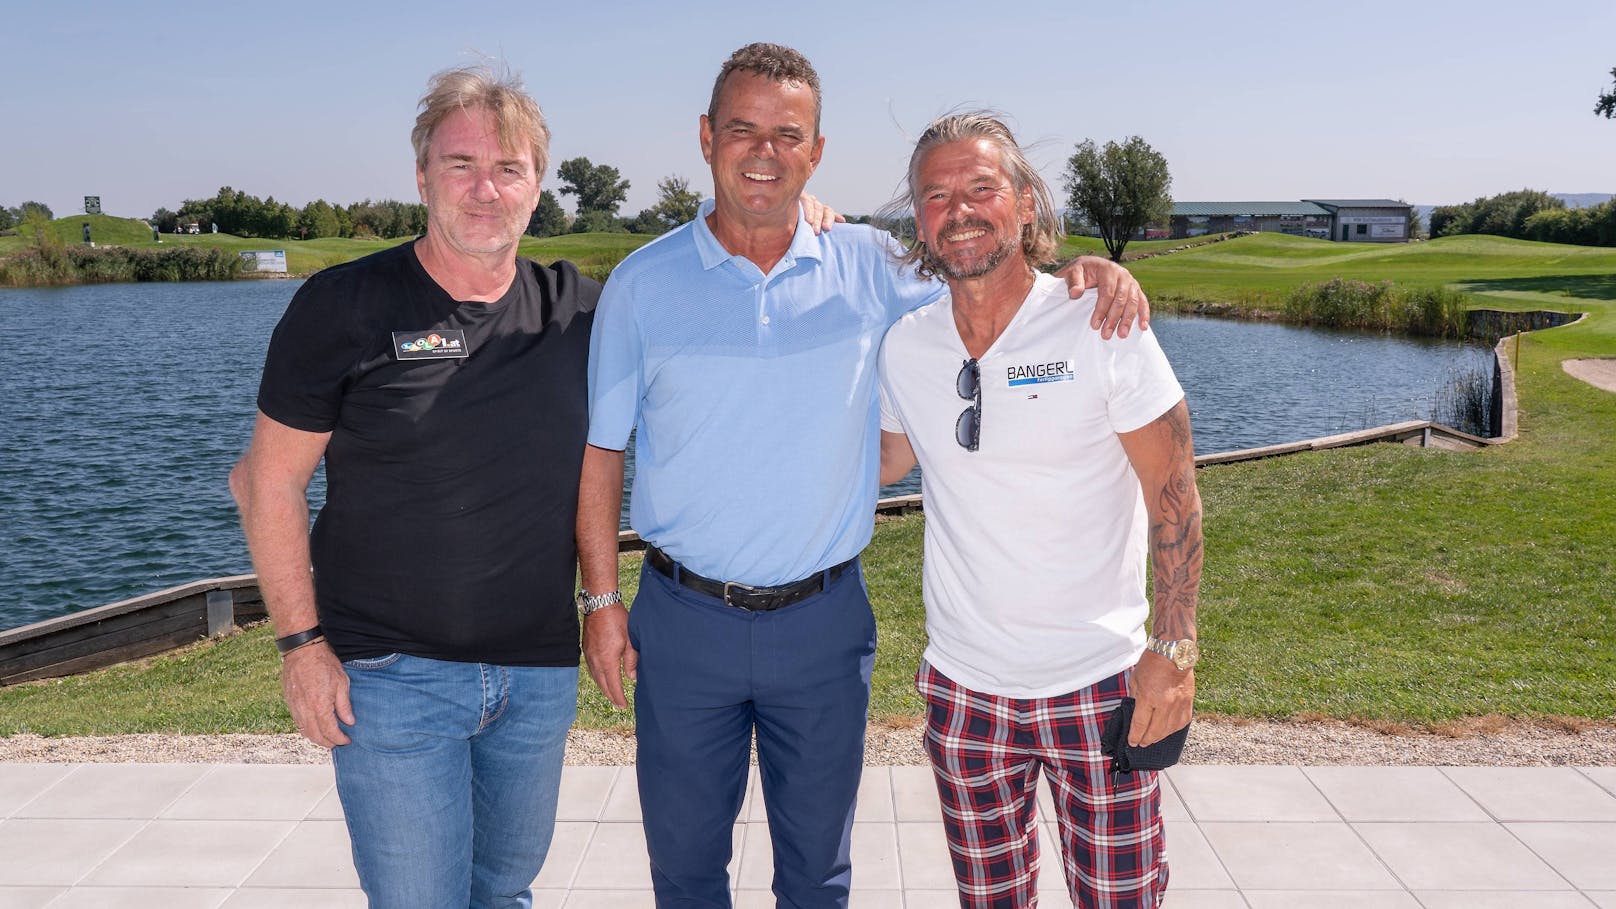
(753, 396)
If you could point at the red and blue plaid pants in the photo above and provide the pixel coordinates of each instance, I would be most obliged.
(986, 752)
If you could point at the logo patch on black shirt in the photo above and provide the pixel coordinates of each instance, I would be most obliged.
(436, 344)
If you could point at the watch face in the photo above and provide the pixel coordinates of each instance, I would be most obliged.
(1186, 653)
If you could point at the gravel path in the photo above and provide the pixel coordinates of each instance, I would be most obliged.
(1600, 373)
(1213, 740)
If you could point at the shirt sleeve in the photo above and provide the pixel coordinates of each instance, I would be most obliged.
(311, 360)
(905, 291)
(1142, 384)
(616, 367)
(890, 420)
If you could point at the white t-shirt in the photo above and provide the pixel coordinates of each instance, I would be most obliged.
(1034, 575)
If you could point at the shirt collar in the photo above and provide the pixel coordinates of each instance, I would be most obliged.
(804, 243)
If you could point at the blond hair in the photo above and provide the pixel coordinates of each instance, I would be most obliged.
(517, 118)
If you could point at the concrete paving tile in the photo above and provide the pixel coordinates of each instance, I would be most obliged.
(931, 899)
(548, 899)
(624, 802)
(875, 857)
(254, 792)
(1172, 807)
(109, 791)
(1330, 899)
(216, 854)
(328, 809)
(1191, 863)
(22, 783)
(1585, 854)
(1046, 799)
(143, 898)
(1249, 793)
(1603, 899)
(584, 791)
(28, 897)
(1051, 870)
(1296, 856)
(615, 860)
(1394, 794)
(608, 899)
(269, 898)
(1535, 793)
(566, 854)
(1455, 856)
(1203, 899)
(58, 851)
(858, 899)
(875, 797)
(1604, 776)
(914, 795)
(1503, 899)
(316, 854)
(923, 849)
(757, 858)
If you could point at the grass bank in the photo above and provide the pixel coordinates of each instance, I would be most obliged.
(1388, 584)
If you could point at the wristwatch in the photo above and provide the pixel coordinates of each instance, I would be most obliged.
(587, 605)
(1184, 654)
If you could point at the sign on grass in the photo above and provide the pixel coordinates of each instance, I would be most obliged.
(263, 260)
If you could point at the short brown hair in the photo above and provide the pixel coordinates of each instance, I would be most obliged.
(1039, 239)
(517, 117)
(771, 61)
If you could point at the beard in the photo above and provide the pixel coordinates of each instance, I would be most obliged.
(965, 267)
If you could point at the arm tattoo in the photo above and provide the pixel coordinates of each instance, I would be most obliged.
(1175, 536)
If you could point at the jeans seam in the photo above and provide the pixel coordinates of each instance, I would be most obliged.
(504, 695)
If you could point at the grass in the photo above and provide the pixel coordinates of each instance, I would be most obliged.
(1385, 584)
(593, 253)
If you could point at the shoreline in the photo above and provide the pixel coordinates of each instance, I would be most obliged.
(1488, 741)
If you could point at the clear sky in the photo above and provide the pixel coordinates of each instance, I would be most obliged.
(1432, 102)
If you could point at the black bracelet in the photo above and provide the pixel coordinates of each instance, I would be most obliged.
(293, 641)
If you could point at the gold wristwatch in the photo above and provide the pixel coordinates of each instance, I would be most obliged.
(1184, 654)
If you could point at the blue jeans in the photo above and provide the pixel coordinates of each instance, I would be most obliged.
(710, 674)
(450, 783)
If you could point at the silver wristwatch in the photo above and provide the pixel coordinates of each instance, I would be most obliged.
(587, 605)
(1184, 653)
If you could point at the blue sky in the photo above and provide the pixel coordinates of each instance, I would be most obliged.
(1430, 102)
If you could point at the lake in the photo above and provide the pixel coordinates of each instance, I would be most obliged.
(125, 405)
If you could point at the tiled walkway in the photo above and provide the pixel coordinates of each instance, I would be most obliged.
(178, 836)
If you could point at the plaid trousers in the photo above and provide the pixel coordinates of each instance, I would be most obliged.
(986, 752)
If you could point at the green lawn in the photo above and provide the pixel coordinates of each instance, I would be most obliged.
(1383, 583)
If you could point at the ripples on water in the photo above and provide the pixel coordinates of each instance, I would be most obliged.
(124, 407)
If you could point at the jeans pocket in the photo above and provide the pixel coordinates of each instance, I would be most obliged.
(370, 664)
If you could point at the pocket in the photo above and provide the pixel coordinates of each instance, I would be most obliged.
(371, 664)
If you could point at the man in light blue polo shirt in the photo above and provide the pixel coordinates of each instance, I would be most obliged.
(742, 349)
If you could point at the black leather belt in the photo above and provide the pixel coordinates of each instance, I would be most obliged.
(742, 596)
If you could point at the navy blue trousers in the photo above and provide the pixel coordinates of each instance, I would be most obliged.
(708, 675)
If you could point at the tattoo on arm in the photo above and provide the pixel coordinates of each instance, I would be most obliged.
(1175, 536)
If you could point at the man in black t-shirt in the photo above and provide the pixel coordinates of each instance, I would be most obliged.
(434, 645)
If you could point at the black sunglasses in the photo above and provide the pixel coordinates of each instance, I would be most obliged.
(968, 428)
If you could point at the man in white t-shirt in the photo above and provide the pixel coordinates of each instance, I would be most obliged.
(1070, 460)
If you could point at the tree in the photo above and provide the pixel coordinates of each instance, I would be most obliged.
(598, 222)
(1119, 189)
(599, 187)
(549, 219)
(676, 202)
(318, 219)
(8, 220)
(30, 208)
(1606, 105)
(164, 220)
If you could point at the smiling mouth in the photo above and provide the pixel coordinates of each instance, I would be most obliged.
(761, 178)
(964, 235)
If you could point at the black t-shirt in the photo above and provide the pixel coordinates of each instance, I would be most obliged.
(457, 438)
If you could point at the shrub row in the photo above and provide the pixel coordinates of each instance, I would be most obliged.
(49, 265)
(1340, 303)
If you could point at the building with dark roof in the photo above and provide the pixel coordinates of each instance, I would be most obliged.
(1351, 220)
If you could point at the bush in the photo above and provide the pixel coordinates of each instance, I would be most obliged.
(1340, 303)
(83, 265)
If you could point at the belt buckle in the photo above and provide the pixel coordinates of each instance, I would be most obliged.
(744, 587)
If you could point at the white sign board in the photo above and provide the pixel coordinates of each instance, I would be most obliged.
(1387, 231)
(264, 260)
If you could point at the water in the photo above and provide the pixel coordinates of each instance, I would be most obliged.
(124, 407)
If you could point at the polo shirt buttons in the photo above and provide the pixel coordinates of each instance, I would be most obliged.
(765, 320)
